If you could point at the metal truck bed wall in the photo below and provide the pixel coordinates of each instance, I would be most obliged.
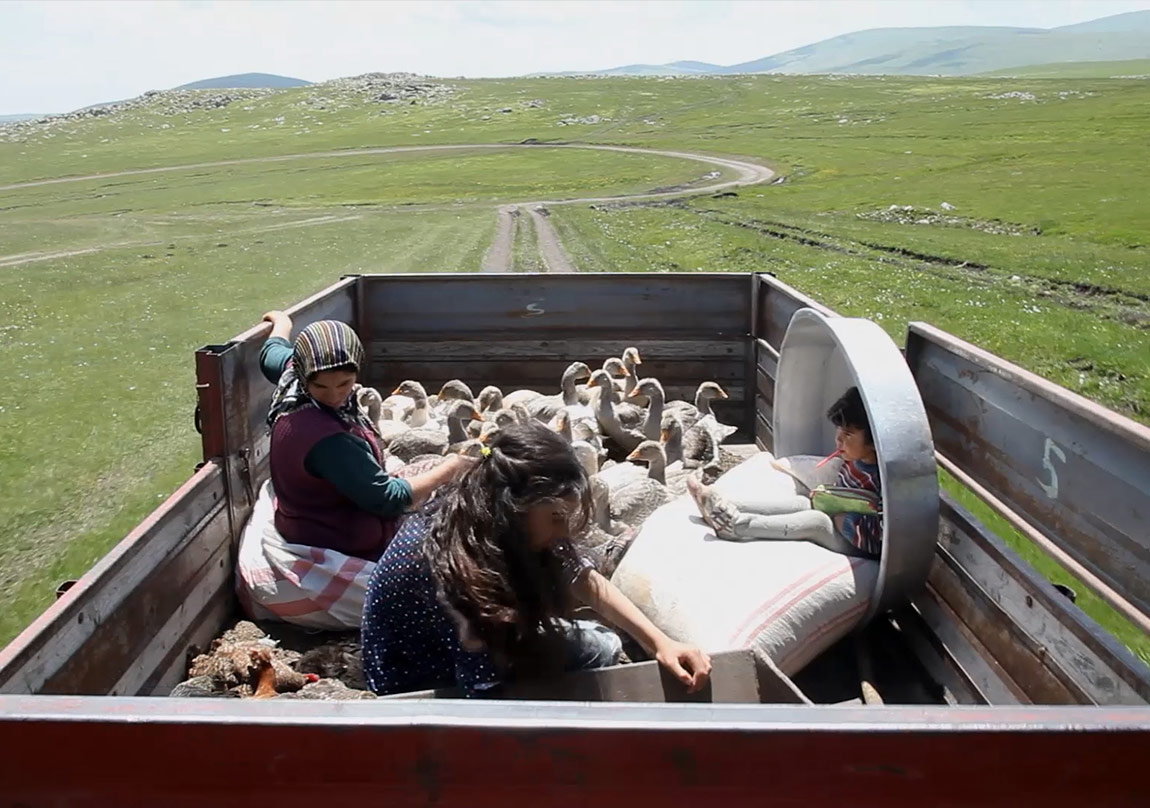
(986, 626)
(189, 753)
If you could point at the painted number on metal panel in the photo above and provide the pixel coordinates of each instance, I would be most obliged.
(534, 309)
(1050, 484)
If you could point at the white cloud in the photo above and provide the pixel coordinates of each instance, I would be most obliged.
(63, 55)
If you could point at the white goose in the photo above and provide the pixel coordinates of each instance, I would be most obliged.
(631, 362)
(635, 499)
(545, 407)
(605, 540)
(606, 415)
(652, 390)
(458, 414)
(672, 475)
(704, 395)
(452, 390)
(371, 402)
(420, 411)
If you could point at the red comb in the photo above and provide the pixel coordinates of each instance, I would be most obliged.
(828, 458)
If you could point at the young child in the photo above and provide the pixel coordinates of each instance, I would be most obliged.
(793, 517)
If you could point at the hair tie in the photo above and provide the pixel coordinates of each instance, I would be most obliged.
(485, 451)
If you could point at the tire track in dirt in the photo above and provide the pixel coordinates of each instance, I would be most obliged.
(499, 254)
(555, 258)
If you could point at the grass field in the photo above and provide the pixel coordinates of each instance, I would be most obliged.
(1078, 70)
(525, 250)
(1039, 254)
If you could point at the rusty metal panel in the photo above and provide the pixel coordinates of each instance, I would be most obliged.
(776, 304)
(617, 306)
(571, 754)
(935, 659)
(766, 370)
(498, 348)
(963, 654)
(103, 629)
(751, 352)
(191, 632)
(764, 438)
(1049, 627)
(1016, 654)
(1076, 471)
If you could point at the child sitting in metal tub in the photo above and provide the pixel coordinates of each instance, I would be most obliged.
(846, 518)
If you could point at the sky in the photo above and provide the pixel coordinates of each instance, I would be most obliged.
(59, 55)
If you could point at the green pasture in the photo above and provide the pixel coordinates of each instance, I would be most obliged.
(1038, 254)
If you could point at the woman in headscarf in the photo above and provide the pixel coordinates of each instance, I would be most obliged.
(329, 510)
(326, 464)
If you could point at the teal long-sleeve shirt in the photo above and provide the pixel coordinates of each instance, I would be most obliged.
(343, 459)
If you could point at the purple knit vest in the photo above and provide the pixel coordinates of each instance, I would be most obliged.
(310, 510)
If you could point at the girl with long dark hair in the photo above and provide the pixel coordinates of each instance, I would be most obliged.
(475, 588)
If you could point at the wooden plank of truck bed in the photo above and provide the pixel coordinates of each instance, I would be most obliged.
(177, 752)
(1076, 471)
(125, 626)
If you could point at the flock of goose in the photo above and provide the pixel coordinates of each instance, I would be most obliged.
(637, 448)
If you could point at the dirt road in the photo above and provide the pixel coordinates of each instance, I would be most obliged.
(555, 258)
(499, 256)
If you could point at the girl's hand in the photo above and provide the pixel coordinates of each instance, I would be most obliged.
(689, 665)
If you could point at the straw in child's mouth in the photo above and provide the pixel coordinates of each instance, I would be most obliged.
(828, 458)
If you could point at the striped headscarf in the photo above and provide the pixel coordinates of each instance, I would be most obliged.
(323, 345)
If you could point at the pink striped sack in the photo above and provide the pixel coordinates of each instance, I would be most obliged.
(786, 600)
(312, 587)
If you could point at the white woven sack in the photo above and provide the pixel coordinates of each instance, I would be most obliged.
(787, 600)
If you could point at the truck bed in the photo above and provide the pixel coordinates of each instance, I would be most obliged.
(985, 653)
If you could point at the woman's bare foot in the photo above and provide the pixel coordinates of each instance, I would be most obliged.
(714, 508)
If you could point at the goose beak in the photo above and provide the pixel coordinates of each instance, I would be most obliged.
(395, 392)
(634, 455)
(664, 435)
(723, 393)
(626, 373)
(475, 416)
(634, 393)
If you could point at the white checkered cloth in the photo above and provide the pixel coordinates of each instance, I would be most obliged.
(311, 587)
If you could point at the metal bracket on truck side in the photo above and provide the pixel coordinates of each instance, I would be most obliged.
(209, 414)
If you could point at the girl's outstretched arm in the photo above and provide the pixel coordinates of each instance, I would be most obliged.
(690, 665)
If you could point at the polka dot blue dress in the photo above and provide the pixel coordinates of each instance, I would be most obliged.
(410, 642)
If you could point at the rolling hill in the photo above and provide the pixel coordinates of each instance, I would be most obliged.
(947, 51)
(243, 81)
(1078, 70)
